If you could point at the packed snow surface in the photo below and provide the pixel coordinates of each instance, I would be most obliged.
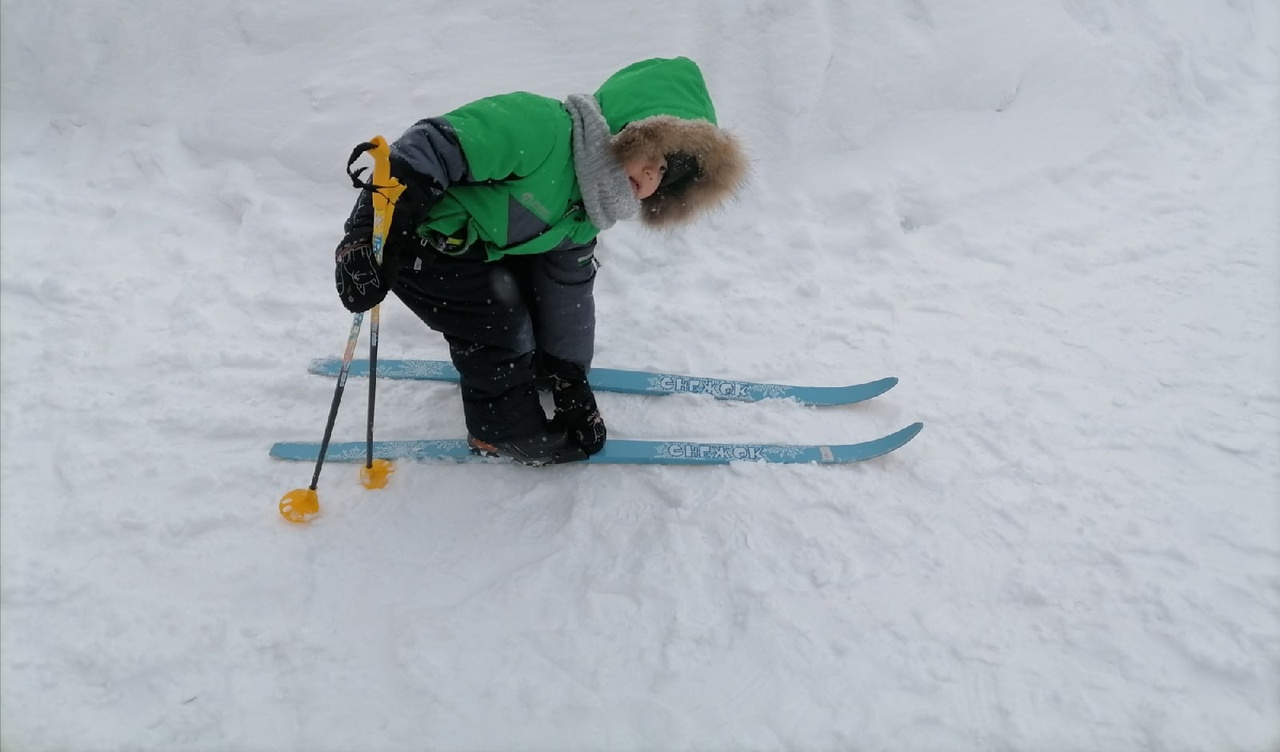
(1055, 220)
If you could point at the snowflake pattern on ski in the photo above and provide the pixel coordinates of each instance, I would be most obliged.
(616, 451)
(742, 391)
(687, 450)
(627, 381)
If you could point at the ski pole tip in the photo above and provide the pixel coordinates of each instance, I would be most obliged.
(300, 505)
(377, 474)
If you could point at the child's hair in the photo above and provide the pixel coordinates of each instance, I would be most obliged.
(682, 167)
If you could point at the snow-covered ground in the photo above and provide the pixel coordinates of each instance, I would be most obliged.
(1057, 222)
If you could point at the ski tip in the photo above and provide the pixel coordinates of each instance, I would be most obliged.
(893, 441)
(886, 384)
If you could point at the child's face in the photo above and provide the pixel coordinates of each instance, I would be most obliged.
(645, 175)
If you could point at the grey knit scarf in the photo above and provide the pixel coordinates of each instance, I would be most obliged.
(606, 189)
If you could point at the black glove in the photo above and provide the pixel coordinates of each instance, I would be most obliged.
(361, 282)
(577, 414)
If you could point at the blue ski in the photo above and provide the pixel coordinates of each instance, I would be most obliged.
(616, 451)
(635, 382)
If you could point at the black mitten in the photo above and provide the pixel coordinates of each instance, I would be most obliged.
(361, 282)
(577, 414)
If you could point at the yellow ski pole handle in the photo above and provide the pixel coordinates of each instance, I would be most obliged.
(386, 192)
(384, 188)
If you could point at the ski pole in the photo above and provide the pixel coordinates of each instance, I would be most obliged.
(375, 471)
(301, 504)
(386, 192)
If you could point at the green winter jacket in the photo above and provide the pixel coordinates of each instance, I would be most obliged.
(506, 162)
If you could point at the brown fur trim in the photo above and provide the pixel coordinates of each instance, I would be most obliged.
(722, 165)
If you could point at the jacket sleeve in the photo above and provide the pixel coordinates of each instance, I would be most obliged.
(430, 150)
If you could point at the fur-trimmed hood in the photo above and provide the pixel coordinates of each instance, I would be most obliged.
(662, 106)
